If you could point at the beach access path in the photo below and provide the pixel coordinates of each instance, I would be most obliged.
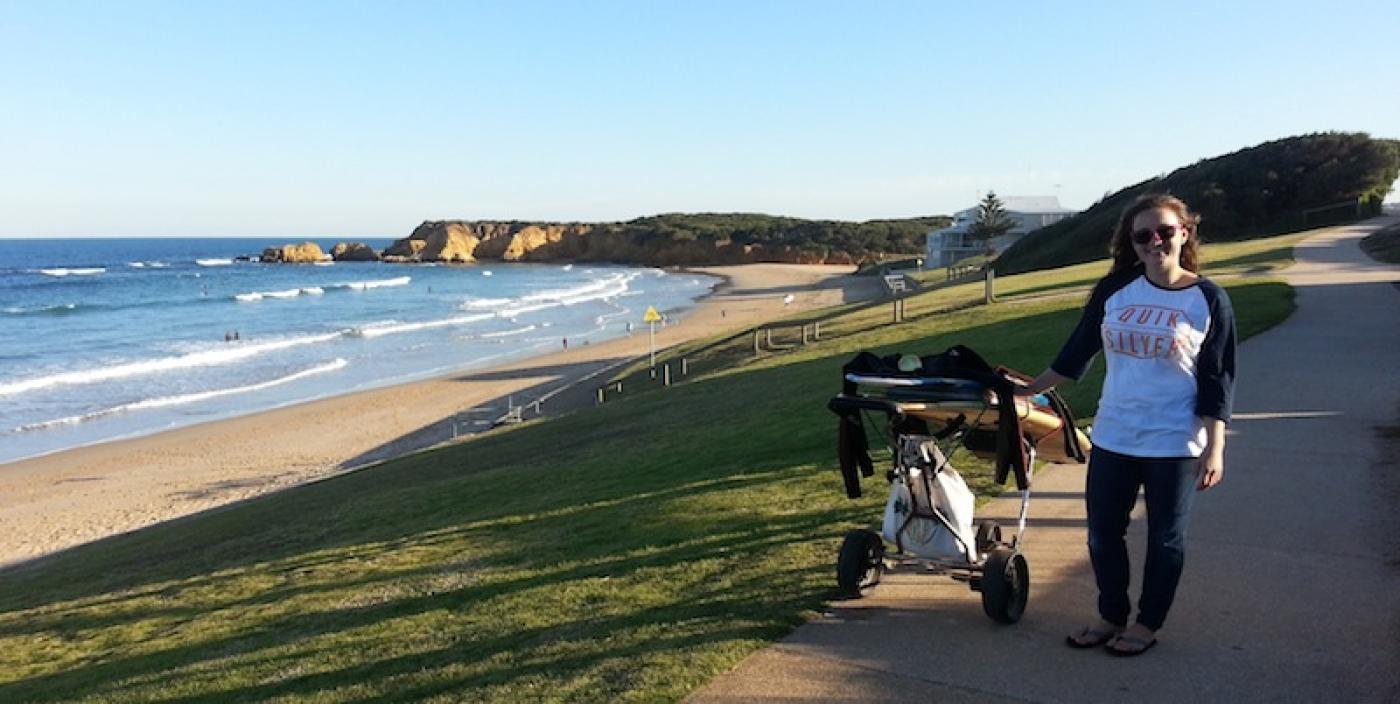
(1292, 584)
(72, 497)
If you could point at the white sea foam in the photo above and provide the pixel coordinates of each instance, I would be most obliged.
(87, 271)
(137, 265)
(394, 328)
(167, 401)
(598, 289)
(380, 283)
(43, 310)
(508, 333)
(214, 262)
(593, 290)
(222, 355)
(479, 303)
(288, 293)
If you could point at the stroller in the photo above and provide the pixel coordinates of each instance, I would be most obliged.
(933, 407)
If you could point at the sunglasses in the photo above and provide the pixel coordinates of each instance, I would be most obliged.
(1163, 232)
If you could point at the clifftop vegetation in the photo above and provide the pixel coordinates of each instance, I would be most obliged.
(672, 239)
(1275, 187)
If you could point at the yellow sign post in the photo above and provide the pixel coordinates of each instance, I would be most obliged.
(652, 318)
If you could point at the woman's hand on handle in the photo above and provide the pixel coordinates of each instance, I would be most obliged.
(1039, 385)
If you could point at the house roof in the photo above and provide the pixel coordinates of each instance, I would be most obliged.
(1034, 204)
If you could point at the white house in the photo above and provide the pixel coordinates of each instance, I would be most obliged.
(945, 247)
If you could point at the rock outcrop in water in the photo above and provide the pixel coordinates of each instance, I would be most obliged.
(304, 253)
(354, 252)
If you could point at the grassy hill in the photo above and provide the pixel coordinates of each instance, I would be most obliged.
(1265, 189)
(625, 553)
(873, 239)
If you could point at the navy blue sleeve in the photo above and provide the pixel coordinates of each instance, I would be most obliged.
(1087, 340)
(1215, 367)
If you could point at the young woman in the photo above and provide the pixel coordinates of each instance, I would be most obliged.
(1168, 338)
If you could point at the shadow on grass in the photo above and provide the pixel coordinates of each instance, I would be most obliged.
(744, 602)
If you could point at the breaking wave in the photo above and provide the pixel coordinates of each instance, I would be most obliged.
(204, 358)
(86, 271)
(182, 399)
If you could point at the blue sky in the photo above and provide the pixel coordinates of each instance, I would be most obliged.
(363, 119)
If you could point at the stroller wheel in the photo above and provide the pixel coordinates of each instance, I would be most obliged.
(860, 563)
(1005, 585)
(988, 536)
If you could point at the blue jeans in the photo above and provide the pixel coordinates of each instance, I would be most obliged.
(1110, 492)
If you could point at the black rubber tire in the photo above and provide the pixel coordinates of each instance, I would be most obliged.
(1005, 584)
(988, 536)
(861, 562)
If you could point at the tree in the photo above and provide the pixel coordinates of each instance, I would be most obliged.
(992, 219)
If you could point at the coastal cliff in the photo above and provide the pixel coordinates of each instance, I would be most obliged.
(674, 239)
(458, 241)
(664, 240)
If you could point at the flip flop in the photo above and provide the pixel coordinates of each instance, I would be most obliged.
(1143, 646)
(1096, 637)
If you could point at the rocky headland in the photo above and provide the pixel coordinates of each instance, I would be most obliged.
(464, 241)
(663, 240)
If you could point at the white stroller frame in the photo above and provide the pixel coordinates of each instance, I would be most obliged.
(995, 568)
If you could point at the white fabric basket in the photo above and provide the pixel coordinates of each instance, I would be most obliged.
(927, 537)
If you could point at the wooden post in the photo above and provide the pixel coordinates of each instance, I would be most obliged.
(990, 296)
(756, 349)
(817, 330)
(804, 334)
(685, 366)
(666, 374)
(619, 387)
(770, 337)
(600, 395)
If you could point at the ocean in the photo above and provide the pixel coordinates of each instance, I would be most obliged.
(110, 338)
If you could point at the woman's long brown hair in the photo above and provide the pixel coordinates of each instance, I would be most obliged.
(1121, 246)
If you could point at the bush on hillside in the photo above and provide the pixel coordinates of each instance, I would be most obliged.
(1269, 189)
(873, 239)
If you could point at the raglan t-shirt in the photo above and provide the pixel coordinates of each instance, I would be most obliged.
(1170, 355)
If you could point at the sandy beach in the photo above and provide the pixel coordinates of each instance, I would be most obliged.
(67, 498)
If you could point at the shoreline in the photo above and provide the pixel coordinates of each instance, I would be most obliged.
(66, 498)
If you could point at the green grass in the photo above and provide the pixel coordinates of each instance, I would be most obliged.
(1383, 245)
(626, 553)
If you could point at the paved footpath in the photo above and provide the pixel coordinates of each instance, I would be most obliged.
(1292, 583)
